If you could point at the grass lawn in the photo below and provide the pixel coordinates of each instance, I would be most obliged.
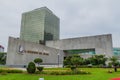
(96, 74)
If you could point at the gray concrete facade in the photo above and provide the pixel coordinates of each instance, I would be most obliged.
(101, 43)
(22, 52)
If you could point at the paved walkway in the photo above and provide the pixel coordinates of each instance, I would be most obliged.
(24, 69)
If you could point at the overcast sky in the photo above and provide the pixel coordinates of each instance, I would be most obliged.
(77, 17)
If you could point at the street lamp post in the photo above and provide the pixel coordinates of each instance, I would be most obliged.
(58, 58)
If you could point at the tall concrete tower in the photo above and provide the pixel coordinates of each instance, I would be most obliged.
(39, 25)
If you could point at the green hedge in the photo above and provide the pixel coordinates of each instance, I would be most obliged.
(86, 66)
(68, 72)
(10, 71)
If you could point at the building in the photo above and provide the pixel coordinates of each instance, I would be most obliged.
(21, 52)
(85, 46)
(1, 48)
(116, 51)
(39, 25)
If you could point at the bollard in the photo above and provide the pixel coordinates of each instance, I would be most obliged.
(41, 78)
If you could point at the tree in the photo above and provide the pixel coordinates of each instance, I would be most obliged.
(114, 62)
(67, 60)
(101, 59)
(97, 60)
(2, 58)
(76, 60)
(38, 61)
(73, 61)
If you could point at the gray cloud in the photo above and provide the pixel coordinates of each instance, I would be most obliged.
(78, 17)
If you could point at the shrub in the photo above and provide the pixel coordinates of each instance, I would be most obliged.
(1, 70)
(31, 67)
(68, 72)
(14, 71)
(55, 73)
(67, 66)
(110, 71)
(73, 68)
(3, 73)
(43, 72)
(10, 71)
(40, 69)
